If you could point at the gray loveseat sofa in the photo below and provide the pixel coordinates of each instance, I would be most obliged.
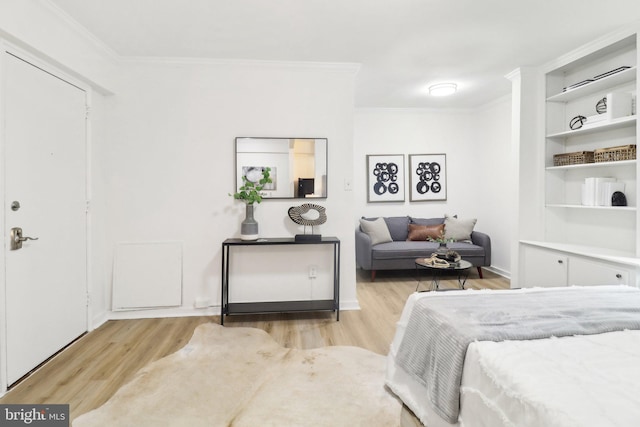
(401, 253)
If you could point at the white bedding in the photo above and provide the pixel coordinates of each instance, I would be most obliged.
(573, 381)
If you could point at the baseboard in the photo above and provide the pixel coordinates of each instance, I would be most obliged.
(99, 320)
(189, 312)
(499, 272)
(349, 305)
(164, 312)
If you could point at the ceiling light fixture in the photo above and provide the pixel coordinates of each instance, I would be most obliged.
(443, 89)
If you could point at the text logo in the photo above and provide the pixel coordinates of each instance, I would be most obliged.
(34, 415)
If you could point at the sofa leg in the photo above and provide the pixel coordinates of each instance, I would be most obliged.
(373, 275)
(479, 271)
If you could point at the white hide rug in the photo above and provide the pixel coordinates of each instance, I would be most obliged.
(241, 377)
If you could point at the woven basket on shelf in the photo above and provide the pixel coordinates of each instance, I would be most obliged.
(576, 158)
(614, 154)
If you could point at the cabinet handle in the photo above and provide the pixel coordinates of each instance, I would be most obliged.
(618, 276)
(559, 261)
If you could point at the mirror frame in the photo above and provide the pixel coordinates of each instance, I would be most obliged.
(269, 194)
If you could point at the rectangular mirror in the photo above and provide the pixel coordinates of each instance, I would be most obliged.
(298, 165)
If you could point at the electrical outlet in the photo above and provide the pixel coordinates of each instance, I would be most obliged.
(348, 185)
(313, 272)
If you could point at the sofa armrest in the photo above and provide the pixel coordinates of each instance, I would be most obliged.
(481, 239)
(363, 249)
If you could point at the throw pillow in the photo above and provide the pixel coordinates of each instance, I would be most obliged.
(377, 230)
(424, 232)
(458, 229)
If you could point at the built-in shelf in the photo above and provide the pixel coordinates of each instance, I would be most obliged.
(603, 84)
(604, 208)
(619, 163)
(619, 123)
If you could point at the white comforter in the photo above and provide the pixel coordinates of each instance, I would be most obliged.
(574, 381)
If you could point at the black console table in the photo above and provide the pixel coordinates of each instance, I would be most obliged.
(279, 306)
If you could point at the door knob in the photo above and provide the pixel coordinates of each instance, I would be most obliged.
(17, 238)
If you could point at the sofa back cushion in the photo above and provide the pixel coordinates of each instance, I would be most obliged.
(376, 229)
(425, 232)
(398, 227)
(426, 221)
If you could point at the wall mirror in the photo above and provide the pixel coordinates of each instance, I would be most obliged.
(298, 165)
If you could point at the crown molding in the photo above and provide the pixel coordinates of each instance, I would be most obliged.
(157, 60)
(81, 31)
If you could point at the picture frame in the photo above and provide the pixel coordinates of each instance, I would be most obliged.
(427, 177)
(385, 178)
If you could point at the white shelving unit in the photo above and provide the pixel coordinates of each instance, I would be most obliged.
(573, 241)
(619, 123)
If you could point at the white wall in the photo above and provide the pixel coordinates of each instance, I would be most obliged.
(169, 161)
(99, 260)
(492, 133)
(477, 145)
(162, 149)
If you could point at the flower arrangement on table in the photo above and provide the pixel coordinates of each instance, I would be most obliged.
(440, 239)
(443, 252)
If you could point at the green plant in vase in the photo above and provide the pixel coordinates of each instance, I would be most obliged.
(250, 192)
(440, 239)
(442, 250)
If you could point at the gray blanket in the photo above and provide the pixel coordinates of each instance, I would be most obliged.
(441, 327)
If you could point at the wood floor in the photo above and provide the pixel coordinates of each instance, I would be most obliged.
(86, 374)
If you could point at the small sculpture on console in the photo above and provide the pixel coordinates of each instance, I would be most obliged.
(296, 213)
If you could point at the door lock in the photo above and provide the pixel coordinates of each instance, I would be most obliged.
(17, 238)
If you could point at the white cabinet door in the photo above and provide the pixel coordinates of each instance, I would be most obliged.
(584, 272)
(544, 268)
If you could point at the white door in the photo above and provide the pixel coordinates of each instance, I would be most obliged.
(45, 172)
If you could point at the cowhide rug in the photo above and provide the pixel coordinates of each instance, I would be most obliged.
(241, 377)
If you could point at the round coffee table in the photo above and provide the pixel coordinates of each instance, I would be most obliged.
(460, 269)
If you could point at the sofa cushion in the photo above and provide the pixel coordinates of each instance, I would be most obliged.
(425, 232)
(466, 249)
(376, 229)
(402, 250)
(426, 221)
(415, 249)
(458, 229)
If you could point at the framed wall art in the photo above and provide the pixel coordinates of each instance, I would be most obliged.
(385, 178)
(427, 177)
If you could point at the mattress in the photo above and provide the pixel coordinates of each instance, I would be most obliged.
(571, 381)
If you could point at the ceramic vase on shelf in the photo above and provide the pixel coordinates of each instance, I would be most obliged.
(249, 227)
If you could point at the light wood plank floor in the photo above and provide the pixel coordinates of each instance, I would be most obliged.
(87, 373)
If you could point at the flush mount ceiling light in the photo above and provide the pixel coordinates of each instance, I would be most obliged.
(443, 89)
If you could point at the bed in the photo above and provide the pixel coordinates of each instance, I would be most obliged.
(589, 379)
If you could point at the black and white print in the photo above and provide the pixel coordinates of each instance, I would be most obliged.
(254, 174)
(428, 177)
(385, 178)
